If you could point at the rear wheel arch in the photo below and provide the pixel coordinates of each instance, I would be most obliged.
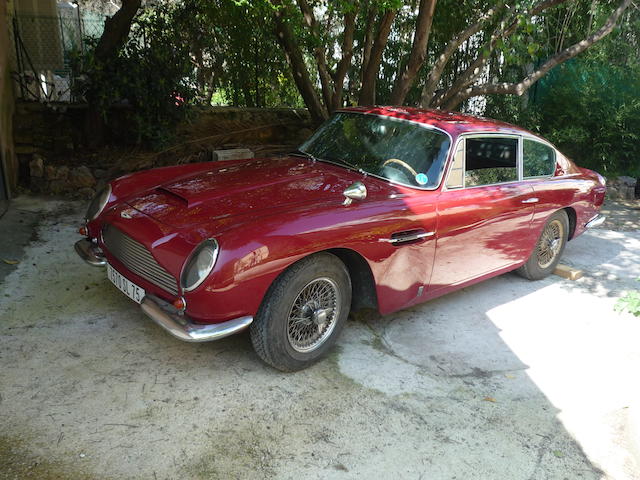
(572, 215)
(546, 245)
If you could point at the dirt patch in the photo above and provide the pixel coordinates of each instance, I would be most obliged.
(18, 462)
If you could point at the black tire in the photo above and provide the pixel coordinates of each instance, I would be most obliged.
(275, 336)
(546, 254)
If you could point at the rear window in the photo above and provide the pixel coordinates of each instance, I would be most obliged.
(490, 160)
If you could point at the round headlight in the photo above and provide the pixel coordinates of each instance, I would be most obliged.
(199, 265)
(98, 203)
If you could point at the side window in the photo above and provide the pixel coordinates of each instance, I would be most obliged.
(490, 160)
(456, 174)
(539, 160)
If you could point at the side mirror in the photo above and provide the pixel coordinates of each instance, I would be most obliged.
(355, 191)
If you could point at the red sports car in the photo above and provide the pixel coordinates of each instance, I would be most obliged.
(382, 207)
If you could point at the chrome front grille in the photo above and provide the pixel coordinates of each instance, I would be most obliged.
(137, 258)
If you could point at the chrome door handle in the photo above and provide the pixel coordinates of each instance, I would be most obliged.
(531, 200)
(408, 238)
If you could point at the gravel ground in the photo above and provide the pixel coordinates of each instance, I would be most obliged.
(508, 379)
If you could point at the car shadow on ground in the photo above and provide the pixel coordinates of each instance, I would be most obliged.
(460, 387)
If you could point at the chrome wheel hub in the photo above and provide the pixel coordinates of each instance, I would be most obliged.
(313, 314)
(550, 243)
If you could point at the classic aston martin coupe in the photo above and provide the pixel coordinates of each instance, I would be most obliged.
(382, 207)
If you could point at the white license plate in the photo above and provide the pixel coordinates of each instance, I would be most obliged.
(130, 289)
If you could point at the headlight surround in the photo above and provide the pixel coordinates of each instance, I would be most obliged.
(199, 265)
(98, 203)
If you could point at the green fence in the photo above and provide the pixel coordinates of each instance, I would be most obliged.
(44, 49)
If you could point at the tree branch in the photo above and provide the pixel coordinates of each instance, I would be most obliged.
(418, 54)
(368, 89)
(318, 51)
(475, 69)
(526, 83)
(292, 51)
(443, 59)
(368, 38)
(345, 61)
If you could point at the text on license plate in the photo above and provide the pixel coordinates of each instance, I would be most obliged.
(130, 289)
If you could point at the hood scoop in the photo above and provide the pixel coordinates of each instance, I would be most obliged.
(173, 194)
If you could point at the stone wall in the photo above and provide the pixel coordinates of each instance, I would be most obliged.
(53, 159)
(7, 154)
(622, 188)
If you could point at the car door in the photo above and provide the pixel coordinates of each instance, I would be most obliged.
(484, 211)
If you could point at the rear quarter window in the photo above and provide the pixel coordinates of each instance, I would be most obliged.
(539, 159)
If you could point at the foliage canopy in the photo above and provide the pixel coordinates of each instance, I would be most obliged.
(484, 56)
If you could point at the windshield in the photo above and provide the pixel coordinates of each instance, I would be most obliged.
(394, 149)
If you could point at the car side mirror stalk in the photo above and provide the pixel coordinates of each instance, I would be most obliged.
(355, 191)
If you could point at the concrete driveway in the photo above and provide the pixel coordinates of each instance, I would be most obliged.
(508, 379)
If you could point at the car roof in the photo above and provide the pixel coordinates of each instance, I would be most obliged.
(453, 123)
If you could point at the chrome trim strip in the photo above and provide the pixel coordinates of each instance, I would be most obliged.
(90, 253)
(520, 158)
(181, 326)
(531, 200)
(596, 221)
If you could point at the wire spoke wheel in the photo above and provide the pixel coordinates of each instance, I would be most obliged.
(313, 314)
(550, 243)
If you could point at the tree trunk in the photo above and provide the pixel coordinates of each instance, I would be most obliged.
(368, 39)
(345, 61)
(294, 56)
(116, 31)
(408, 74)
(318, 51)
(370, 74)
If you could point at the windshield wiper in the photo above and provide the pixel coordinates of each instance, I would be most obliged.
(334, 161)
(301, 153)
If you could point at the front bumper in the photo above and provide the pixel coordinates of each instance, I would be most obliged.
(180, 326)
(90, 253)
(165, 314)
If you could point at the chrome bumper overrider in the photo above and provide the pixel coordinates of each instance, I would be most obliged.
(90, 253)
(165, 314)
(180, 326)
(595, 221)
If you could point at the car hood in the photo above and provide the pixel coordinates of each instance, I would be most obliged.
(254, 188)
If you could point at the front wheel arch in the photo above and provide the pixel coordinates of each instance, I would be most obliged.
(269, 329)
(363, 284)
